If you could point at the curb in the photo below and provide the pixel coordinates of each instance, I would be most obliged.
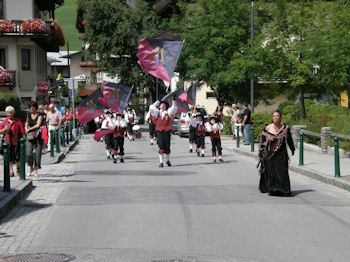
(14, 197)
(63, 155)
(312, 174)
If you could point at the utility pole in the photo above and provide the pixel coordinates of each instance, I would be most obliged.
(252, 79)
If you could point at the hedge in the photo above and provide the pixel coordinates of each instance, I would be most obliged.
(11, 99)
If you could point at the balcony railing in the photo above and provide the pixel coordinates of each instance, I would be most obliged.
(11, 83)
(16, 28)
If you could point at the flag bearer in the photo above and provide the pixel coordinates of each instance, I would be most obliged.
(192, 127)
(151, 119)
(164, 117)
(214, 128)
(108, 124)
(118, 143)
(131, 118)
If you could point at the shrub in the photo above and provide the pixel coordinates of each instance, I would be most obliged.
(284, 104)
(260, 121)
(227, 126)
(11, 99)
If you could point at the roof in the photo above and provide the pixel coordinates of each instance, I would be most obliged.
(59, 58)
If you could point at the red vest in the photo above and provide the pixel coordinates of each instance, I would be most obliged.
(119, 131)
(165, 123)
(153, 120)
(215, 134)
(200, 130)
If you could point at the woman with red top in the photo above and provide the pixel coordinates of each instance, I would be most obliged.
(13, 130)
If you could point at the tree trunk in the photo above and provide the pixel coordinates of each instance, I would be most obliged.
(348, 83)
(302, 110)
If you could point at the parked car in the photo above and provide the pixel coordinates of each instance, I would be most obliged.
(182, 126)
(175, 124)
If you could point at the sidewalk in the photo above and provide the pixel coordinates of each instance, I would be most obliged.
(19, 188)
(316, 165)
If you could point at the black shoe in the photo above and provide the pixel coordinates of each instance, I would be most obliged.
(122, 160)
(198, 154)
(161, 165)
(168, 163)
(214, 160)
(151, 144)
(191, 150)
(114, 161)
(221, 160)
(108, 157)
(202, 155)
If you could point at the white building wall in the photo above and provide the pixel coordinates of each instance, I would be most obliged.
(19, 9)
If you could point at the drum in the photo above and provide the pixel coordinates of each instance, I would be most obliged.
(136, 128)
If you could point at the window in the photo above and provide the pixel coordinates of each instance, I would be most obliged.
(2, 57)
(1, 9)
(25, 59)
(210, 95)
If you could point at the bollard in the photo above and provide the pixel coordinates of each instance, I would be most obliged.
(301, 149)
(52, 154)
(237, 137)
(22, 159)
(63, 138)
(252, 140)
(57, 140)
(71, 131)
(67, 133)
(6, 147)
(336, 157)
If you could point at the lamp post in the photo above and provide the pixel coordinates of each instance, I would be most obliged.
(252, 39)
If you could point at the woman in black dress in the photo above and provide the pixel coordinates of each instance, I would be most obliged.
(274, 157)
(218, 114)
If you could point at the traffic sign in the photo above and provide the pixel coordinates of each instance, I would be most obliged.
(43, 87)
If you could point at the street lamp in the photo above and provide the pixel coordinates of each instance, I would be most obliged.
(252, 39)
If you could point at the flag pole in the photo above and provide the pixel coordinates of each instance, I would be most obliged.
(157, 88)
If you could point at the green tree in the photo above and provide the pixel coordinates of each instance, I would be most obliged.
(217, 46)
(113, 30)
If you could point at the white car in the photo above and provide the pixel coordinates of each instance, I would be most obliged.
(183, 127)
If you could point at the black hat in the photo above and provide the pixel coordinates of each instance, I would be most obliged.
(109, 112)
(199, 114)
(164, 102)
(117, 114)
(214, 117)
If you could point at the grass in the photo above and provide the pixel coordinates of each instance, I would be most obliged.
(67, 15)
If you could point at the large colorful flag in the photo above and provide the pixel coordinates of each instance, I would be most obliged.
(115, 96)
(158, 56)
(189, 97)
(91, 107)
(99, 133)
(181, 107)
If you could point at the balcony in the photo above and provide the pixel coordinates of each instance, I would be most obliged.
(7, 79)
(48, 35)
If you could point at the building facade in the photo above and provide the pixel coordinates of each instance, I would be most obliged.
(25, 38)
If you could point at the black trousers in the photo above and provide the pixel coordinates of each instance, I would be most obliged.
(129, 129)
(164, 141)
(200, 141)
(152, 130)
(118, 145)
(216, 146)
(109, 141)
(192, 135)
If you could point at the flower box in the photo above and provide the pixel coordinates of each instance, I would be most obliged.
(35, 25)
(7, 26)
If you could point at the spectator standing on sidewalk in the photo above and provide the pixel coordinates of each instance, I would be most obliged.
(13, 130)
(235, 113)
(246, 122)
(34, 141)
(274, 177)
(218, 114)
(44, 133)
(54, 120)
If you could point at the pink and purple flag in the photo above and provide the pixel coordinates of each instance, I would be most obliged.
(115, 96)
(99, 133)
(189, 97)
(181, 107)
(158, 56)
(91, 107)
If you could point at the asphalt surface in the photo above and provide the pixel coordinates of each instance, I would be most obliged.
(195, 210)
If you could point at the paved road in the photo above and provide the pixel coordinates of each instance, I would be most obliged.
(194, 211)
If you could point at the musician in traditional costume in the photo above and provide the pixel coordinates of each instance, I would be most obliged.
(200, 135)
(151, 119)
(164, 117)
(120, 125)
(108, 124)
(131, 118)
(192, 128)
(214, 128)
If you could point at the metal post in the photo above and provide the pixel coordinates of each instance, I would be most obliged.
(252, 40)
(252, 140)
(22, 163)
(237, 137)
(57, 140)
(6, 167)
(336, 157)
(52, 133)
(301, 147)
(71, 131)
(67, 135)
(63, 138)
